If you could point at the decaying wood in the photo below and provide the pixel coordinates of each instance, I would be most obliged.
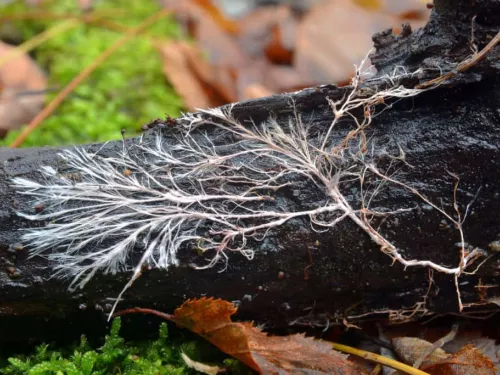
(340, 276)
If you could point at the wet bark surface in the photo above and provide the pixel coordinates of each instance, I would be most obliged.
(300, 277)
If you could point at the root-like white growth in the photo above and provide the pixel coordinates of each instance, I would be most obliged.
(213, 192)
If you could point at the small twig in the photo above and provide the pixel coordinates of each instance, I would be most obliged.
(378, 359)
(45, 15)
(463, 66)
(85, 73)
(141, 310)
(96, 18)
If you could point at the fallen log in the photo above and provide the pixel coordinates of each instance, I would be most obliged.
(376, 200)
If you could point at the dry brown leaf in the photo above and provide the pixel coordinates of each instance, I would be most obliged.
(22, 82)
(409, 349)
(181, 76)
(414, 12)
(232, 66)
(332, 37)
(467, 361)
(336, 34)
(219, 46)
(295, 354)
(485, 345)
(217, 81)
(320, 49)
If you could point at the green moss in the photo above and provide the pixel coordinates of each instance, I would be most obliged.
(160, 356)
(126, 91)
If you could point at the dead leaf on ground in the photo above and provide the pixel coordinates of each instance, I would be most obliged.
(332, 37)
(268, 36)
(485, 345)
(217, 81)
(219, 46)
(192, 78)
(178, 72)
(410, 349)
(278, 49)
(22, 85)
(219, 50)
(336, 34)
(467, 361)
(295, 354)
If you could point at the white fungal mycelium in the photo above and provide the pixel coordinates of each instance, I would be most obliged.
(157, 198)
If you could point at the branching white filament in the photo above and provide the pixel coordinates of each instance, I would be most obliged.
(213, 192)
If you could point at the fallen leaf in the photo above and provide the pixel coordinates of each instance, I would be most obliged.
(333, 36)
(222, 55)
(336, 34)
(219, 46)
(181, 76)
(467, 361)
(23, 84)
(295, 354)
(217, 81)
(200, 367)
(485, 345)
(409, 349)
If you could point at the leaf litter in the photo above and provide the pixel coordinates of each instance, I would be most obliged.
(452, 354)
(282, 48)
(295, 354)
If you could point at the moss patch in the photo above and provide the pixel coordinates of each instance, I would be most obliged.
(116, 356)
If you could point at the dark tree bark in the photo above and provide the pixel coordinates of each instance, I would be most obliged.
(306, 278)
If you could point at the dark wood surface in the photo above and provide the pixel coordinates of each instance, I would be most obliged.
(453, 128)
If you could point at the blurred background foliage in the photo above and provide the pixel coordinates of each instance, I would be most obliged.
(127, 90)
(206, 54)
